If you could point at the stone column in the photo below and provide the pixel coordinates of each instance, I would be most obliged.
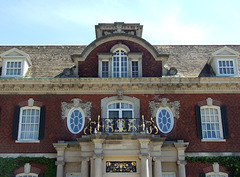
(144, 165)
(181, 146)
(60, 147)
(157, 167)
(181, 168)
(60, 168)
(98, 165)
(85, 168)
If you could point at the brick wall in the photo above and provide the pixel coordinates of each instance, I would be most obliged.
(89, 67)
(56, 128)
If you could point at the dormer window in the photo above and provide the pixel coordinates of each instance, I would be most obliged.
(120, 63)
(226, 67)
(224, 62)
(15, 63)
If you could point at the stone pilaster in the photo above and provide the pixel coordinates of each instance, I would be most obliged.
(85, 167)
(181, 168)
(157, 166)
(60, 147)
(181, 146)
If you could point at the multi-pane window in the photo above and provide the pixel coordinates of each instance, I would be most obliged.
(165, 120)
(135, 68)
(226, 67)
(120, 110)
(105, 69)
(211, 122)
(75, 120)
(13, 68)
(29, 123)
(120, 64)
(169, 174)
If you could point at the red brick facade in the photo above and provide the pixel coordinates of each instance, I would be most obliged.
(56, 128)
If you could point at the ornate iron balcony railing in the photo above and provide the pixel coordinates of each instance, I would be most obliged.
(121, 125)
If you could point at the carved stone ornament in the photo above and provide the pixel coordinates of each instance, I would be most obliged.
(77, 103)
(27, 168)
(120, 94)
(164, 102)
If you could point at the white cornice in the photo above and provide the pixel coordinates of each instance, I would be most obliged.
(129, 85)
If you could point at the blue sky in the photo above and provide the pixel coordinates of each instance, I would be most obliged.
(166, 22)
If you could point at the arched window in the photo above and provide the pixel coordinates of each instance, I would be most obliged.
(165, 119)
(120, 64)
(120, 110)
(75, 120)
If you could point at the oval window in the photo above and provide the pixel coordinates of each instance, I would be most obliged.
(75, 121)
(165, 120)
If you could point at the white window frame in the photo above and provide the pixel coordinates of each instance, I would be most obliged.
(168, 174)
(214, 174)
(120, 109)
(120, 56)
(73, 174)
(101, 68)
(138, 67)
(5, 63)
(27, 175)
(171, 118)
(233, 67)
(217, 108)
(69, 118)
(20, 124)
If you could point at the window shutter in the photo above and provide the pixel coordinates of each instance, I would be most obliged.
(15, 123)
(41, 175)
(42, 123)
(12, 175)
(225, 122)
(199, 125)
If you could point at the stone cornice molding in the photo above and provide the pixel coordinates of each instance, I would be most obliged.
(77, 103)
(110, 85)
(164, 102)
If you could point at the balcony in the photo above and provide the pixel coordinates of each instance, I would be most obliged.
(121, 126)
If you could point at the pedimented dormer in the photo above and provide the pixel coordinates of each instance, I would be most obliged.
(15, 63)
(224, 62)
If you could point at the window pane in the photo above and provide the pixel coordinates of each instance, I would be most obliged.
(226, 67)
(75, 121)
(29, 124)
(211, 123)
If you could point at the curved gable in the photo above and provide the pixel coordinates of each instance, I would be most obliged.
(121, 36)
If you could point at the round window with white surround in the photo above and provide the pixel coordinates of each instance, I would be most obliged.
(75, 120)
(165, 119)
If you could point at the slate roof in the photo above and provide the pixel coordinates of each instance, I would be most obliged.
(50, 61)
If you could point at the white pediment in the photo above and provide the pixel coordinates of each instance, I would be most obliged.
(225, 51)
(15, 53)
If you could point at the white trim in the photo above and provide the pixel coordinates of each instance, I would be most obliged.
(211, 154)
(25, 141)
(219, 123)
(20, 125)
(27, 175)
(214, 140)
(16, 155)
(68, 119)
(171, 118)
(218, 173)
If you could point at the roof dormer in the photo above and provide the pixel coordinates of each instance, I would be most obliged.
(15, 63)
(224, 62)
